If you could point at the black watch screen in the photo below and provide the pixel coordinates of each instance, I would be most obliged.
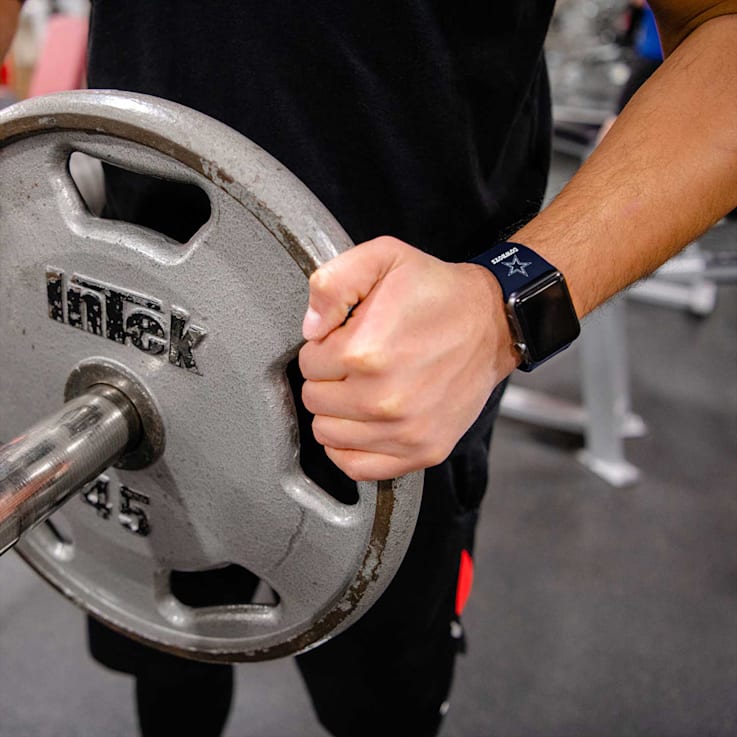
(546, 318)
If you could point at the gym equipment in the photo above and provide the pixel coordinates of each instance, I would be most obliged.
(172, 356)
(689, 280)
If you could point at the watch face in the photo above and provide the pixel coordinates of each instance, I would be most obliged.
(546, 317)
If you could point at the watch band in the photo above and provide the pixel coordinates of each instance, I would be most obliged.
(514, 265)
(536, 299)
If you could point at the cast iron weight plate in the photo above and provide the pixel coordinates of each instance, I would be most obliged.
(207, 327)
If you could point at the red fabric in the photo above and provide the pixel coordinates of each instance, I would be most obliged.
(465, 581)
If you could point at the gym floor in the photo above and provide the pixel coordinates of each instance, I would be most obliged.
(596, 610)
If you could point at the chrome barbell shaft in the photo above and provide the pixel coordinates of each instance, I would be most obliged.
(44, 466)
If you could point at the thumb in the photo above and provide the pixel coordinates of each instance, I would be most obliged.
(340, 284)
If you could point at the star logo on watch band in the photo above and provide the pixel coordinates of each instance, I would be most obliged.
(516, 266)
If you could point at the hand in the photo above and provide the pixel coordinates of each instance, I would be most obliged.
(394, 387)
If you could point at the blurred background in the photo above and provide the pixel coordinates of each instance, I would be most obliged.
(605, 596)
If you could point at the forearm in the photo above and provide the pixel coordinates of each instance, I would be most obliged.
(665, 172)
(9, 12)
(421, 330)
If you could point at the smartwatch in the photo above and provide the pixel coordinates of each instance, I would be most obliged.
(537, 302)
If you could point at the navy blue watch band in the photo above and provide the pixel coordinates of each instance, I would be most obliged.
(514, 266)
(536, 299)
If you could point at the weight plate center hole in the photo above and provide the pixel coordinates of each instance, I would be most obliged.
(56, 536)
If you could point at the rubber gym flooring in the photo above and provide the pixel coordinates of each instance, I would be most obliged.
(595, 611)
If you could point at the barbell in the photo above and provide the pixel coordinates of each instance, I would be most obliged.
(149, 424)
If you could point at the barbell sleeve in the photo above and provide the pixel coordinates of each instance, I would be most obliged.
(44, 466)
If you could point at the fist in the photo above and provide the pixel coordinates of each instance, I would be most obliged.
(402, 352)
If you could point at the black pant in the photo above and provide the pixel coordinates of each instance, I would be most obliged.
(390, 673)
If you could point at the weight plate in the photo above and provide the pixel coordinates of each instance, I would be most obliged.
(207, 327)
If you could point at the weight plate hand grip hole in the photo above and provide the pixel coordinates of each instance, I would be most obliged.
(177, 210)
(312, 457)
(231, 585)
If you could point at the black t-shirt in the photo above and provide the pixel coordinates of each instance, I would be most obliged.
(428, 120)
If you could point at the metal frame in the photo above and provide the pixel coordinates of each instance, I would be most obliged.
(604, 417)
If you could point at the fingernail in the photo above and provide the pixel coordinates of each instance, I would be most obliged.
(310, 324)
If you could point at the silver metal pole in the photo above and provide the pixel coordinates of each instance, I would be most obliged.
(44, 466)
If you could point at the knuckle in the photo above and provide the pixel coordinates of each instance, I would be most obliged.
(366, 360)
(308, 396)
(352, 466)
(342, 460)
(379, 409)
(392, 406)
(353, 472)
(318, 433)
(304, 359)
(434, 456)
(388, 241)
(319, 280)
(408, 435)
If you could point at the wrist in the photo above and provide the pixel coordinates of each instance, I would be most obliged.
(487, 304)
